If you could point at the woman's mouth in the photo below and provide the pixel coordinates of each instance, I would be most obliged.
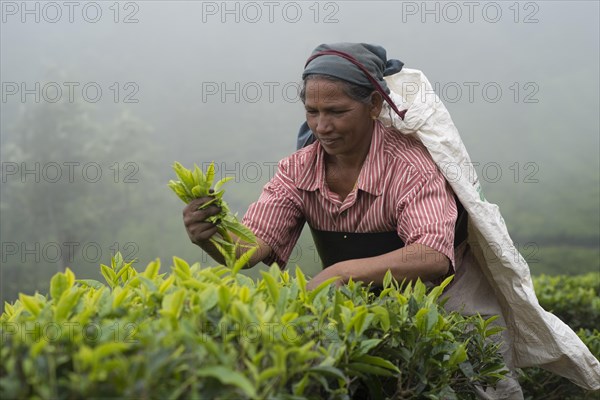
(328, 141)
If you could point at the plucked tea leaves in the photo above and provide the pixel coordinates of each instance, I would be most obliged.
(196, 184)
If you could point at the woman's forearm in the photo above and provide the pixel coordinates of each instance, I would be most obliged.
(410, 262)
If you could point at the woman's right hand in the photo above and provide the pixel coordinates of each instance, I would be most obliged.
(198, 230)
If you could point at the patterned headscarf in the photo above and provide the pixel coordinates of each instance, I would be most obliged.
(372, 58)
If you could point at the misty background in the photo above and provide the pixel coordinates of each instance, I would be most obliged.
(100, 98)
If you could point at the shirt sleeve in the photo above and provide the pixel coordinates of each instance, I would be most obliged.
(277, 217)
(427, 215)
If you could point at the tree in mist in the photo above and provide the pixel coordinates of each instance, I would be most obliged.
(68, 179)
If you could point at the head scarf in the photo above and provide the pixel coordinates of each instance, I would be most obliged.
(373, 61)
(372, 57)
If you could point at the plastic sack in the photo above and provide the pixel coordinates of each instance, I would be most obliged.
(494, 266)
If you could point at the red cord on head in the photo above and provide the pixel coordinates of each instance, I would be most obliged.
(364, 71)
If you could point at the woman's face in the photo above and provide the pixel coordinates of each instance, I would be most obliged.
(341, 124)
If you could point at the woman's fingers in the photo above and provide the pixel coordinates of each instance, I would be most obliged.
(201, 231)
(194, 219)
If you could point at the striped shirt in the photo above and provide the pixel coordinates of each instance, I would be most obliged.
(399, 188)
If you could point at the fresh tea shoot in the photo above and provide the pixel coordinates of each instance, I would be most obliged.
(196, 184)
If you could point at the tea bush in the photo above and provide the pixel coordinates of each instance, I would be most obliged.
(210, 333)
(576, 301)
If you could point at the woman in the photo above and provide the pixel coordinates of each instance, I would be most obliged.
(373, 198)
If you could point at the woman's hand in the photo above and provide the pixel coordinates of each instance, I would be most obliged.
(198, 230)
(327, 273)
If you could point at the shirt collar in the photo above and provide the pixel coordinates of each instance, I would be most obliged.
(373, 167)
(312, 174)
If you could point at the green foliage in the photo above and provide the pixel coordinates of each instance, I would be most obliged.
(576, 301)
(212, 333)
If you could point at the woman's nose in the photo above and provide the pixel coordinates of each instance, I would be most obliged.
(323, 125)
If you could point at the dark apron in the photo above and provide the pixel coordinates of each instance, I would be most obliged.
(334, 247)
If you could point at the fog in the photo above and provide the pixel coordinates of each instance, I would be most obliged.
(100, 98)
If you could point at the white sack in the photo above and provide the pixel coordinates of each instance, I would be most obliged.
(536, 337)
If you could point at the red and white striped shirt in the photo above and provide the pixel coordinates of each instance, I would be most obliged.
(399, 188)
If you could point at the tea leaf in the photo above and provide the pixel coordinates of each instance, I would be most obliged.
(173, 302)
(109, 275)
(166, 284)
(152, 269)
(268, 374)
(328, 370)
(493, 331)
(197, 191)
(66, 304)
(117, 261)
(272, 286)
(241, 231)
(221, 182)
(184, 175)
(92, 283)
(182, 268)
(210, 175)
(459, 355)
(31, 304)
(58, 285)
(243, 261)
(107, 349)
(228, 377)
(123, 272)
(119, 295)
(358, 367)
(198, 176)
(378, 361)
(322, 286)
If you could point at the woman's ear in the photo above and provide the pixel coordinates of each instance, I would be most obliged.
(376, 103)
